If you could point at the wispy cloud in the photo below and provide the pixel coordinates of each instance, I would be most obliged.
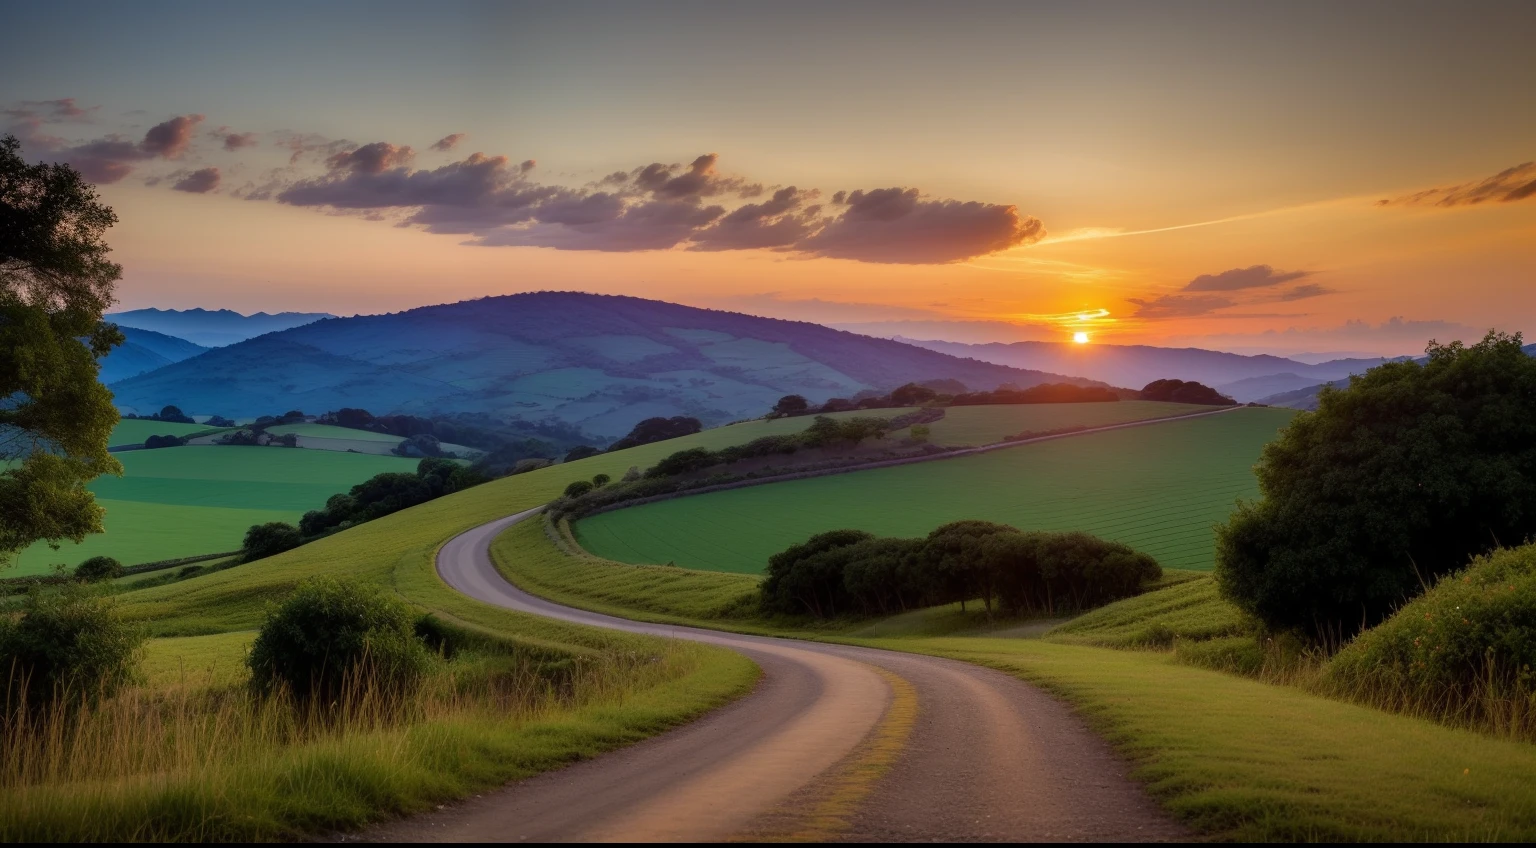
(1507, 186)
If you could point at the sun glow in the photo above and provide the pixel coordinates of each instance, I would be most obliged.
(1080, 338)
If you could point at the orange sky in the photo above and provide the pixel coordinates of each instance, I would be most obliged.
(1154, 146)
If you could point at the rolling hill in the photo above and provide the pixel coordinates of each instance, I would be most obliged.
(1243, 378)
(144, 351)
(212, 327)
(597, 362)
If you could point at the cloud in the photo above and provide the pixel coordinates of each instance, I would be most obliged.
(234, 140)
(1304, 292)
(1179, 305)
(1507, 186)
(373, 158)
(779, 222)
(447, 142)
(170, 139)
(201, 181)
(1252, 277)
(895, 225)
(62, 109)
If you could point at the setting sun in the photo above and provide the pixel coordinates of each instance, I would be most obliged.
(1080, 338)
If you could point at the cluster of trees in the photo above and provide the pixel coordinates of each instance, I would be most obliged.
(823, 432)
(157, 442)
(1043, 393)
(505, 447)
(846, 572)
(1184, 391)
(390, 492)
(945, 393)
(1391, 483)
(657, 430)
(168, 414)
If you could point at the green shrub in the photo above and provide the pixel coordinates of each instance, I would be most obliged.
(331, 639)
(68, 644)
(1397, 479)
(274, 537)
(99, 568)
(600, 480)
(1466, 649)
(578, 488)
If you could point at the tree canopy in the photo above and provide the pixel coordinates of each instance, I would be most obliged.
(1393, 481)
(55, 417)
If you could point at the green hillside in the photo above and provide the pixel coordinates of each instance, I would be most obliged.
(973, 426)
(1159, 488)
(133, 431)
(176, 502)
(600, 363)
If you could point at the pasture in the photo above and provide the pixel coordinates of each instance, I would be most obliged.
(176, 502)
(974, 426)
(133, 431)
(1158, 488)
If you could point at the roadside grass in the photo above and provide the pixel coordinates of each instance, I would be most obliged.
(974, 426)
(214, 660)
(1158, 488)
(1235, 758)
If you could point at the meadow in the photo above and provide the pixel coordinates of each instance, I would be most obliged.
(185, 501)
(974, 426)
(1158, 488)
(133, 431)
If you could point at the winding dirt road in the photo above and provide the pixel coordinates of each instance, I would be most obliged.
(835, 742)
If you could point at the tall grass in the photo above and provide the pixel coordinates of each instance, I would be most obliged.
(201, 762)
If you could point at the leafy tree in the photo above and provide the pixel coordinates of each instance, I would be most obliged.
(578, 488)
(658, 429)
(808, 578)
(1181, 391)
(581, 452)
(173, 415)
(270, 539)
(219, 421)
(156, 442)
(912, 394)
(287, 440)
(330, 640)
(68, 644)
(1393, 481)
(99, 568)
(791, 405)
(600, 480)
(55, 283)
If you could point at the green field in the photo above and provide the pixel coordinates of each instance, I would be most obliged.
(1159, 488)
(133, 431)
(329, 431)
(973, 426)
(176, 502)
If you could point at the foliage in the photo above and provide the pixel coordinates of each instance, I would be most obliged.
(1392, 482)
(1043, 393)
(791, 405)
(581, 452)
(330, 635)
(55, 283)
(656, 430)
(99, 568)
(390, 492)
(1181, 391)
(1465, 650)
(846, 571)
(912, 394)
(173, 415)
(270, 539)
(69, 646)
(156, 442)
(578, 488)
(600, 480)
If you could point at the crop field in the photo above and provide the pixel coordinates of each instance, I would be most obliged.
(1159, 488)
(974, 426)
(133, 431)
(176, 502)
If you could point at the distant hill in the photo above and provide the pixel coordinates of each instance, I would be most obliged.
(212, 328)
(1136, 365)
(144, 351)
(601, 363)
(1306, 398)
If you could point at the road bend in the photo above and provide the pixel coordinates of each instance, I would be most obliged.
(987, 757)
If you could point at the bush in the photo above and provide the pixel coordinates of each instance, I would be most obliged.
(600, 480)
(1182, 391)
(1390, 483)
(274, 537)
(578, 488)
(157, 442)
(99, 568)
(68, 644)
(790, 405)
(1466, 649)
(804, 579)
(331, 640)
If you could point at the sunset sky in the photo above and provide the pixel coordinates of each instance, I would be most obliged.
(1289, 178)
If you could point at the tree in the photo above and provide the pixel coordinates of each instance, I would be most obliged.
(99, 568)
(912, 394)
(600, 480)
(174, 415)
(1393, 481)
(790, 405)
(658, 429)
(55, 283)
(578, 488)
(1181, 391)
(274, 537)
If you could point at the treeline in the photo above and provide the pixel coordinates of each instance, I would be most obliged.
(942, 393)
(1185, 391)
(851, 572)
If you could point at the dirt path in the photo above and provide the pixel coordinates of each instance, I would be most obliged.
(969, 753)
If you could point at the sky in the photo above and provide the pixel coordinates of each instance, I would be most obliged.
(1300, 178)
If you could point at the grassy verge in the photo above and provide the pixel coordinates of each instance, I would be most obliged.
(1235, 758)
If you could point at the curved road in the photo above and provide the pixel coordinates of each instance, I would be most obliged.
(983, 756)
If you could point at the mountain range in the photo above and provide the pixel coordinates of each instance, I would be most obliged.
(597, 362)
(1244, 378)
(212, 327)
(143, 351)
